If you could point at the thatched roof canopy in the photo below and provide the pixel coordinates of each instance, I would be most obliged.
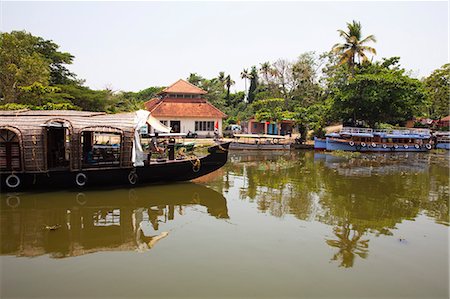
(33, 119)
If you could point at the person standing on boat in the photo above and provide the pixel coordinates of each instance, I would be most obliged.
(216, 130)
(154, 144)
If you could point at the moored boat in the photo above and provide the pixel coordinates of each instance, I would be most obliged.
(320, 144)
(385, 140)
(442, 140)
(260, 142)
(64, 149)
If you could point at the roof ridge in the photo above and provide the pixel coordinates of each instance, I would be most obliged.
(157, 105)
(166, 90)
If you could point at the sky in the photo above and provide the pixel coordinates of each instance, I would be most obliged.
(130, 46)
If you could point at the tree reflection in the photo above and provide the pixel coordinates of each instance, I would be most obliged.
(361, 197)
(349, 244)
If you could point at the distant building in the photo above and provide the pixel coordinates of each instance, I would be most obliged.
(182, 107)
(283, 127)
(444, 122)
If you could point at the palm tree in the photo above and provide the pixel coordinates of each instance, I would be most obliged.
(245, 75)
(228, 83)
(221, 77)
(265, 70)
(354, 46)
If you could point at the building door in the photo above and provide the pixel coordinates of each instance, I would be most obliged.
(176, 126)
(9, 151)
(57, 151)
(272, 129)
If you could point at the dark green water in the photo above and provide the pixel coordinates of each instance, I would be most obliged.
(300, 225)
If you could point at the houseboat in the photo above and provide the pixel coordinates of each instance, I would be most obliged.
(385, 140)
(64, 149)
(442, 140)
(260, 142)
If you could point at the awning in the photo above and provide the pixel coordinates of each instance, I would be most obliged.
(157, 125)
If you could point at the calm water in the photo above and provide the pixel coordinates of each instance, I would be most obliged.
(297, 224)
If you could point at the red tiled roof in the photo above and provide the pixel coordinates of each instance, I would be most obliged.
(168, 107)
(183, 87)
(447, 118)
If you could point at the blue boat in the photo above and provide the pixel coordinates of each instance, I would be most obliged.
(442, 140)
(386, 140)
(320, 144)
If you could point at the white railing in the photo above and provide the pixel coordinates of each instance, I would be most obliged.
(353, 130)
(394, 131)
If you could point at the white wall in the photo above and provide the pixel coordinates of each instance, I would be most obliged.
(188, 124)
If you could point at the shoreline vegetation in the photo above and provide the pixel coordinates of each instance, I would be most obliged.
(343, 85)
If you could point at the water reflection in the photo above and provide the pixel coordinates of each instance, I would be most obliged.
(360, 197)
(73, 224)
(349, 243)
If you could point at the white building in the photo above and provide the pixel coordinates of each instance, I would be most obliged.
(182, 107)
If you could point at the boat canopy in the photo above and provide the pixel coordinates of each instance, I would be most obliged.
(157, 125)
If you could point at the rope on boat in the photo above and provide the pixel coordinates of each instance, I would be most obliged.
(196, 163)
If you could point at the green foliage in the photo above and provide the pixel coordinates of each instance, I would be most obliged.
(13, 106)
(379, 92)
(383, 126)
(437, 87)
(271, 109)
(20, 66)
(354, 46)
(36, 94)
(27, 60)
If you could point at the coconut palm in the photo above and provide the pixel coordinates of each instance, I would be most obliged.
(245, 75)
(265, 70)
(228, 83)
(354, 46)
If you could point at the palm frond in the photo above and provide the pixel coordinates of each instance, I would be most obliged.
(370, 38)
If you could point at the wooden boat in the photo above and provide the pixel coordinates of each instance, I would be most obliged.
(64, 149)
(260, 142)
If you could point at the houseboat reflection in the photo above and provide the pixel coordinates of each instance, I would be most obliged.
(73, 224)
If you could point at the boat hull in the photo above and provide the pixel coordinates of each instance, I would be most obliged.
(443, 146)
(344, 145)
(258, 146)
(157, 172)
(320, 144)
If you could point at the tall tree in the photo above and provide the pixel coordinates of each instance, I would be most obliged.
(228, 83)
(354, 45)
(437, 86)
(265, 71)
(377, 93)
(253, 84)
(245, 75)
(20, 65)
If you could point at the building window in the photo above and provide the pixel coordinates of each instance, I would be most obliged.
(204, 126)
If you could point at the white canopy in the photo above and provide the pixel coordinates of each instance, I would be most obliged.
(140, 119)
(157, 125)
